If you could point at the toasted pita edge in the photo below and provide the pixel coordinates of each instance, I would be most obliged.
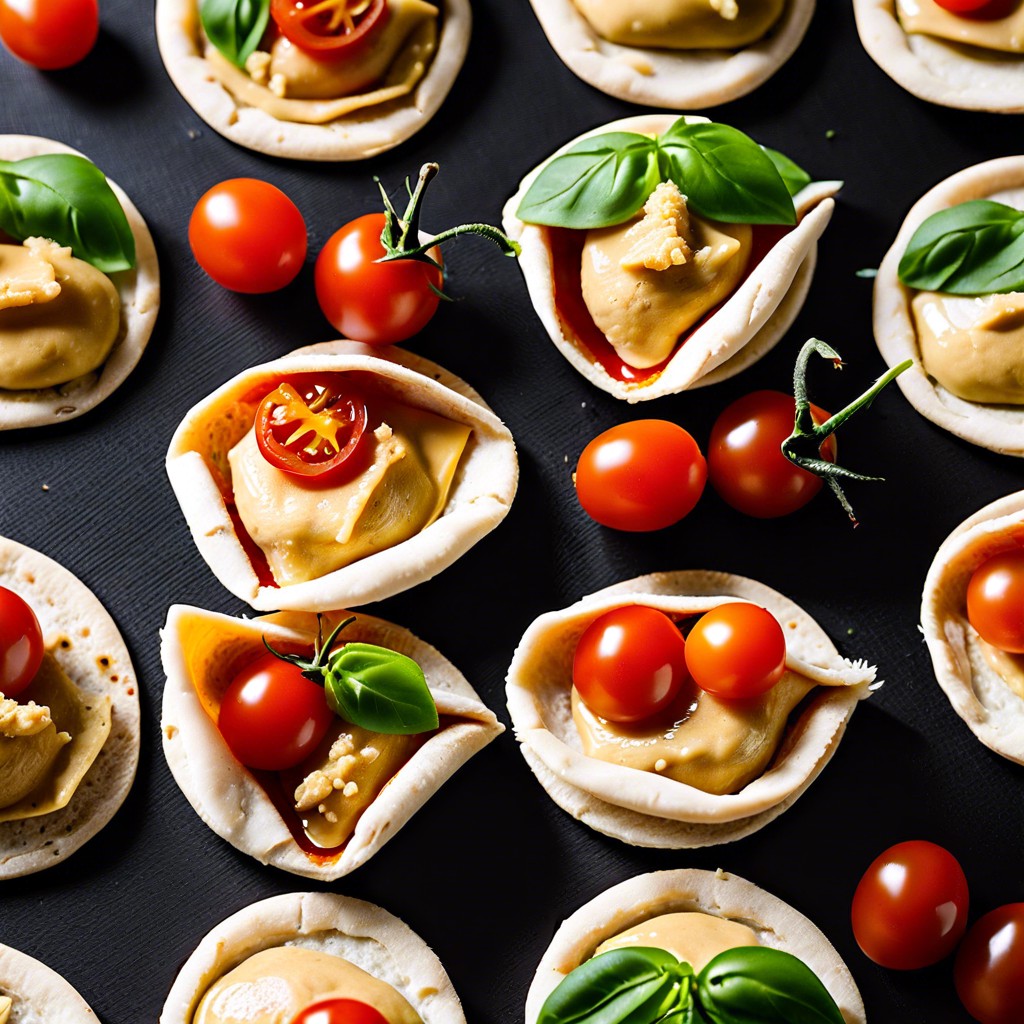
(46, 994)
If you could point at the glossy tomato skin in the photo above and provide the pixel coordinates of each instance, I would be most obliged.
(639, 476)
(49, 34)
(981, 9)
(340, 1011)
(21, 643)
(376, 303)
(248, 236)
(989, 968)
(910, 908)
(309, 30)
(995, 601)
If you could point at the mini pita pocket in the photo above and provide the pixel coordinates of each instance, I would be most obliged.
(743, 328)
(139, 290)
(640, 807)
(40, 995)
(629, 903)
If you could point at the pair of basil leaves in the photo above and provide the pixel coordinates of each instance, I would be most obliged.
(643, 985)
(235, 27)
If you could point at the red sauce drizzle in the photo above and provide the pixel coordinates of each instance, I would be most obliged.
(253, 551)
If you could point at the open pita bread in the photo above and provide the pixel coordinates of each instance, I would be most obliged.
(749, 323)
(139, 290)
(228, 797)
(640, 807)
(626, 905)
(675, 79)
(997, 427)
(39, 995)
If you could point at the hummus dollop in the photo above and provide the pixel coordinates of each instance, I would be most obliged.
(926, 17)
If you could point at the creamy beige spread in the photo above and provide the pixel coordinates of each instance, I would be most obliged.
(274, 985)
(29, 744)
(5, 1008)
(1009, 667)
(59, 316)
(926, 17)
(647, 281)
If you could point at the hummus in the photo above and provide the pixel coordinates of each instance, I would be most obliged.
(928, 18)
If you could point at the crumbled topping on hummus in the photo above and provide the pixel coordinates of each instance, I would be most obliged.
(342, 762)
(27, 274)
(18, 720)
(257, 64)
(728, 9)
(659, 240)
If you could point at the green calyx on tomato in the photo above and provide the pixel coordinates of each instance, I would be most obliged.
(21, 643)
(329, 29)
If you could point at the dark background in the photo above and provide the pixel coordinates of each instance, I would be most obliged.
(490, 867)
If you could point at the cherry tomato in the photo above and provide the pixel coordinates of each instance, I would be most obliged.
(49, 34)
(21, 643)
(629, 663)
(910, 908)
(736, 651)
(248, 236)
(376, 303)
(340, 1011)
(643, 475)
(272, 716)
(978, 8)
(989, 968)
(329, 29)
(745, 461)
(995, 601)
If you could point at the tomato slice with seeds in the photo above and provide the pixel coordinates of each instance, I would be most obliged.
(329, 29)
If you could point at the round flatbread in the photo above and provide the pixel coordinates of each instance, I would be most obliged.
(139, 290)
(38, 994)
(997, 427)
(673, 79)
(640, 807)
(86, 643)
(361, 134)
(362, 933)
(626, 905)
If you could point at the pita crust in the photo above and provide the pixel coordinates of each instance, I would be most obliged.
(777, 925)
(747, 325)
(41, 995)
(139, 290)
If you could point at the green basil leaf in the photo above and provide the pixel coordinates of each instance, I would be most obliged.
(379, 689)
(791, 172)
(66, 198)
(976, 248)
(759, 985)
(601, 181)
(235, 27)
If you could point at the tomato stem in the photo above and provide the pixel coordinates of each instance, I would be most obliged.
(316, 669)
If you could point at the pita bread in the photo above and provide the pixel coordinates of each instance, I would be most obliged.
(362, 933)
(938, 70)
(740, 331)
(479, 498)
(359, 135)
(640, 807)
(675, 79)
(629, 903)
(139, 290)
(85, 641)
(997, 427)
(40, 995)
(230, 800)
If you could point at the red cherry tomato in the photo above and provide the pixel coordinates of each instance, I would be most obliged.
(995, 601)
(248, 236)
(910, 908)
(271, 716)
(21, 643)
(49, 34)
(329, 29)
(340, 1011)
(376, 303)
(978, 8)
(989, 969)
(643, 475)
(629, 663)
(736, 651)
(745, 461)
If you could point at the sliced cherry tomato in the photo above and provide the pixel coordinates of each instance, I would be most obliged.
(910, 908)
(49, 34)
(340, 1011)
(248, 236)
(643, 475)
(21, 643)
(629, 663)
(745, 460)
(995, 601)
(989, 969)
(272, 716)
(736, 651)
(329, 29)
(376, 303)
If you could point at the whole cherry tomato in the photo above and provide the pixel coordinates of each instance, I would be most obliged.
(995, 601)
(630, 663)
(21, 643)
(643, 475)
(910, 908)
(376, 303)
(340, 1011)
(271, 716)
(745, 460)
(979, 8)
(989, 968)
(248, 236)
(330, 29)
(736, 651)
(49, 34)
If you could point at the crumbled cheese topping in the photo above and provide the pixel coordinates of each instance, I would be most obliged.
(27, 274)
(18, 720)
(659, 240)
(728, 9)
(257, 65)
(342, 761)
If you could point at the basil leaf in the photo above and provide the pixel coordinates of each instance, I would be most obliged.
(601, 181)
(794, 176)
(976, 248)
(66, 198)
(379, 689)
(759, 985)
(235, 27)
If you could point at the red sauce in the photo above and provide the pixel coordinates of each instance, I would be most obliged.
(254, 552)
